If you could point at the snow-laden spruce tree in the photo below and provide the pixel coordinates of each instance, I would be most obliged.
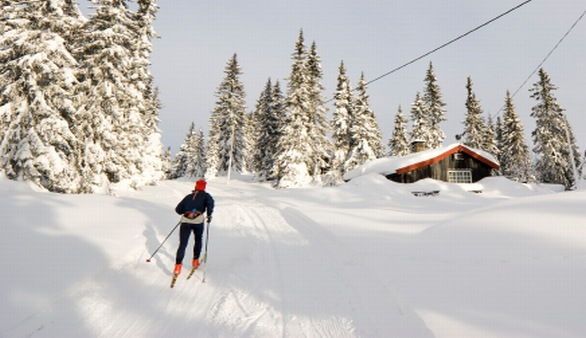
(552, 137)
(266, 133)
(514, 152)
(398, 143)
(490, 144)
(179, 164)
(317, 124)
(420, 124)
(498, 137)
(294, 153)
(475, 130)
(167, 163)
(226, 141)
(434, 109)
(150, 165)
(250, 135)
(37, 96)
(342, 121)
(275, 125)
(366, 139)
(110, 121)
(196, 156)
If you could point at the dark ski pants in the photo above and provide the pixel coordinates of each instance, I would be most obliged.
(184, 233)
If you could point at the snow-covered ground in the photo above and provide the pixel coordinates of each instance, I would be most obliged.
(364, 259)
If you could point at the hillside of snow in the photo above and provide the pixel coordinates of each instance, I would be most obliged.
(366, 259)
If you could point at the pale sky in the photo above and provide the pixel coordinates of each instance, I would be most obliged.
(198, 37)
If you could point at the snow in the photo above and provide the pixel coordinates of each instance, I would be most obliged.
(388, 165)
(365, 259)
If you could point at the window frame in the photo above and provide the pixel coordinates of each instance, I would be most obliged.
(460, 175)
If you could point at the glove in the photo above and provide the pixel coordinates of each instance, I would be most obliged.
(209, 220)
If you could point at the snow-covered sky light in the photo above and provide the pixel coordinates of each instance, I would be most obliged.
(198, 37)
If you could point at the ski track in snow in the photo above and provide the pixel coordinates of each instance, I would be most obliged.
(272, 271)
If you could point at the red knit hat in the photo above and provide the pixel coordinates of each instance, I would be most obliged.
(200, 185)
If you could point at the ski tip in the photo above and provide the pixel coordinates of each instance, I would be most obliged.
(148, 260)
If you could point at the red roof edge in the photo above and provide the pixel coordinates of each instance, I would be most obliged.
(436, 159)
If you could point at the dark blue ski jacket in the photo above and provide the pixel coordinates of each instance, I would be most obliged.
(199, 201)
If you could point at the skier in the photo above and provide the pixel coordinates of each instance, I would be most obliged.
(192, 209)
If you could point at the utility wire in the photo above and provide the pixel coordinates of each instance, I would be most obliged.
(443, 45)
(449, 42)
(543, 61)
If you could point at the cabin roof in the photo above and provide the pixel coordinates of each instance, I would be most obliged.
(404, 164)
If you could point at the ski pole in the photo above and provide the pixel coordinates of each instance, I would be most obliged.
(205, 253)
(163, 242)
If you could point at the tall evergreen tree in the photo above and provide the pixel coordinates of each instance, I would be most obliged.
(552, 136)
(498, 135)
(489, 145)
(179, 164)
(260, 132)
(420, 123)
(149, 162)
(274, 127)
(364, 132)
(250, 138)
(342, 121)
(196, 159)
(36, 91)
(434, 108)
(398, 144)
(167, 163)
(514, 154)
(317, 124)
(110, 121)
(294, 155)
(227, 124)
(270, 122)
(475, 130)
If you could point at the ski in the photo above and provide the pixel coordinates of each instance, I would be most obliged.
(191, 272)
(174, 279)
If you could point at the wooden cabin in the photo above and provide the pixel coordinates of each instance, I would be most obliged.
(458, 164)
(455, 163)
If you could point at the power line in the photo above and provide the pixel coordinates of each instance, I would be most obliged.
(444, 45)
(449, 42)
(544, 60)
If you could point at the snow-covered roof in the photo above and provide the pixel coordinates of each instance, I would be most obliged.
(390, 165)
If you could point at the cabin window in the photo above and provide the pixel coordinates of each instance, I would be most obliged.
(460, 176)
(458, 157)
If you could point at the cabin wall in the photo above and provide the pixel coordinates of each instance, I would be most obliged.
(439, 171)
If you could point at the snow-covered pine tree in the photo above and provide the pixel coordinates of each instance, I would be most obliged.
(551, 134)
(318, 125)
(166, 163)
(342, 121)
(489, 144)
(250, 136)
(226, 140)
(149, 163)
(179, 164)
(514, 152)
(294, 153)
(475, 130)
(36, 96)
(195, 153)
(364, 132)
(498, 136)
(263, 145)
(434, 109)
(398, 143)
(420, 123)
(276, 126)
(110, 122)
